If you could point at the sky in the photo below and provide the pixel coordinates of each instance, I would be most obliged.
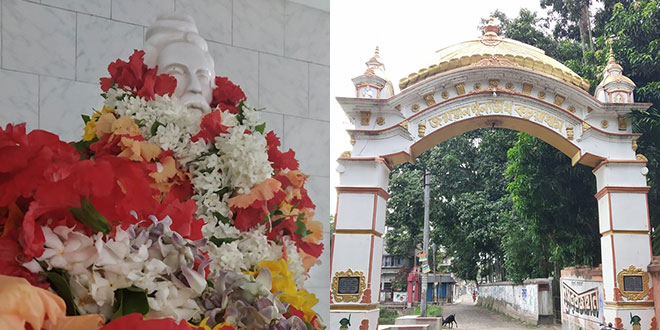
(408, 34)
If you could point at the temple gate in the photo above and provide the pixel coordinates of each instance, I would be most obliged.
(491, 82)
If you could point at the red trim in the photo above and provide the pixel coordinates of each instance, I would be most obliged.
(363, 190)
(373, 216)
(617, 161)
(609, 201)
(371, 263)
(622, 189)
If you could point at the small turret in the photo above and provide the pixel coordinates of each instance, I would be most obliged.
(615, 87)
(373, 83)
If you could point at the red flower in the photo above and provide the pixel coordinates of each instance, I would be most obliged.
(136, 321)
(280, 160)
(227, 95)
(211, 127)
(134, 76)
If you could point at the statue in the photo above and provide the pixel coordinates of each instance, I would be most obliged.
(175, 46)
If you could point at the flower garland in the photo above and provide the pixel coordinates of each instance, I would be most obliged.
(160, 212)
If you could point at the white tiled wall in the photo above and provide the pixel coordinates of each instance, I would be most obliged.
(52, 53)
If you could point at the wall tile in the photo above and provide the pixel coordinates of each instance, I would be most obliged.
(259, 25)
(101, 41)
(319, 92)
(38, 39)
(307, 34)
(213, 17)
(92, 7)
(310, 139)
(141, 12)
(283, 85)
(62, 102)
(19, 98)
(274, 122)
(241, 66)
(318, 188)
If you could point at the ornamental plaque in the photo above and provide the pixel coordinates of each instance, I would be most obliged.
(348, 286)
(633, 283)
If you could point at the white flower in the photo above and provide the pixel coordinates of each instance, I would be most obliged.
(244, 160)
(67, 249)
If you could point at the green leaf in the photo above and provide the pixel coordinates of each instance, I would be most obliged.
(309, 325)
(154, 127)
(104, 95)
(220, 241)
(130, 300)
(221, 217)
(260, 128)
(81, 146)
(223, 191)
(140, 122)
(85, 118)
(90, 217)
(57, 280)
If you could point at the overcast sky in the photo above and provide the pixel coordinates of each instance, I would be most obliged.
(408, 33)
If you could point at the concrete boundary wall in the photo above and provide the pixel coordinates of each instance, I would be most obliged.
(530, 301)
(582, 305)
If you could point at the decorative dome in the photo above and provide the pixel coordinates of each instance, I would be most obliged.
(495, 50)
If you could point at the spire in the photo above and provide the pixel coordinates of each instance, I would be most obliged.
(490, 29)
(615, 86)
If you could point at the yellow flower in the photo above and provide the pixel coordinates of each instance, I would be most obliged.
(204, 326)
(283, 282)
(90, 127)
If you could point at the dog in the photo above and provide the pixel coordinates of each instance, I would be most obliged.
(450, 320)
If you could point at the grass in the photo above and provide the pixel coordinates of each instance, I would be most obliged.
(387, 316)
(431, 310)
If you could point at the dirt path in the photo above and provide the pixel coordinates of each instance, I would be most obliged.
(469, 316)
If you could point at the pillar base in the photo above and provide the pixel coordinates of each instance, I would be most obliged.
(361, 319)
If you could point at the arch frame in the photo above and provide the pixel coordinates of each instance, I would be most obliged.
(398, 129)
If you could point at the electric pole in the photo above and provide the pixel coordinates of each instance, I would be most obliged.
(425, 279)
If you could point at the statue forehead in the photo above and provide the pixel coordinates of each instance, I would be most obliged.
(184, 53)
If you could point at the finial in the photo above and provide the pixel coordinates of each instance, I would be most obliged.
(376, 52)
(491, 19)
(490, 29)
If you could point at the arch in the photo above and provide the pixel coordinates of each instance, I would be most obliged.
(490, 92)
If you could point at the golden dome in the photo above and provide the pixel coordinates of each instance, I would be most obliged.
(497, 51)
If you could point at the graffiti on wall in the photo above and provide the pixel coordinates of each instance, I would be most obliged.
(585, 303)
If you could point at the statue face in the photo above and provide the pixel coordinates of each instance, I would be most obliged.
(192, 70)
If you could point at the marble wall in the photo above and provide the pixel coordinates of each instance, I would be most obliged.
(54, 51)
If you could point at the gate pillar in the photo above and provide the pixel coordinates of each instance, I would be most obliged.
(625, 243)
(357, 243)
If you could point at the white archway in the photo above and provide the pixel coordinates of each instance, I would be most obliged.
(489, 91)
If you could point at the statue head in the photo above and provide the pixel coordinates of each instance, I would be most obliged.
(174, 45)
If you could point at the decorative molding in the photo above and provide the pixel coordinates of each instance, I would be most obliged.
(476, 86)
(404, 124)
(634, 144)
(585, 126)
(571, 108)
(622, 189)
(633, 271)
(624, 232)
(641, 157)
(569, 132)
(342, 297)
(414, 107)
(345, 154)
(429, 99)
(398, 107)
(352, 307)
(604, 123)
(559, 100)
(589, 109)
(509, 85)
(623, 125)
(460, 88)
(365, 117)
(527, 88)
(629, 304)
(541, 95)
(380, 121)
(445, 95)
(364, 190)
(352, 140)
(421, 129)
(492, 83)
(358, 232)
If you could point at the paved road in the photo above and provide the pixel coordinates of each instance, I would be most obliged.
(469, 316)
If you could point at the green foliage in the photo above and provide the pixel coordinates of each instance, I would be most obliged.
(130, 300)
(58, 282)
(386, 316)
(90, 217)
(431, 311)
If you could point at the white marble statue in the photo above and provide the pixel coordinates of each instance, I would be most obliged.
(175, 46)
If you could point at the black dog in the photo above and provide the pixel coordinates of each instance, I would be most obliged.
(449, 320)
